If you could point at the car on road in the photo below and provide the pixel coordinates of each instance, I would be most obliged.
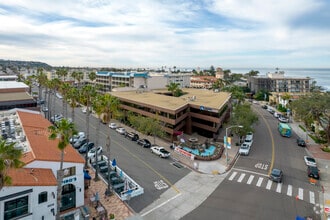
(244, 149)
(132, 136)
(264, 106)
(79, 142)
(301, 142)
(113, 125)
(121, 130)
(56, 117)
(86, 147)
(44, 109)
(276, 175)
(248, 139)
(160, 151)
(270, 110)
(310, 161)
(144, 143)
(313, 172)
(283, 119)
(92, 152)
(80, 134)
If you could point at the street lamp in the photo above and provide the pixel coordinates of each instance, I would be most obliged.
(226, 142)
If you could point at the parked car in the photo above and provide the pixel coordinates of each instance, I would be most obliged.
(276, 175)
(160, 151)
(79, 142)
(264, 106)
(132, 136)
(283, 119)
(86, 147)
(313, 172)
(144, 143)
(244, 149)
(270, 110)
(248, 139)
(80, 134)
(92, 152)
(310, 161)
(44, 109)
(113, 125)
(55, 118)
(301, 142)
(121, 130)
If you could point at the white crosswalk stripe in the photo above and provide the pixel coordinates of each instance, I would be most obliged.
(250, 179)
(300, 193)
(240, 179)
(232, 176)
(311, 197)
(289, 191)
(269, 184)
(279, 188)
(259, 181)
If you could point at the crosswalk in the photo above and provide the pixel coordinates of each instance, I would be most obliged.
(261, 180)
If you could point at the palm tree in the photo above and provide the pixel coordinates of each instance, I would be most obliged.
(41, 78)
(92, 76)
(88, 93)
(63, 130)
(73, 97)
(9, 158)
(64, 89)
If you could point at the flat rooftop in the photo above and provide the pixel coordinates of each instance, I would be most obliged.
(198, 97)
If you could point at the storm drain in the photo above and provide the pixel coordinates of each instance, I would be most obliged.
(178, 165)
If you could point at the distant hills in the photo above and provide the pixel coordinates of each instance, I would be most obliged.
(24, 64)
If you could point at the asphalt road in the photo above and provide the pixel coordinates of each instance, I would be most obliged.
(247, 193)
(145, 168)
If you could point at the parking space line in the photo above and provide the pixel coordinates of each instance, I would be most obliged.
(232, 176)
(241, 177)
(250, 179)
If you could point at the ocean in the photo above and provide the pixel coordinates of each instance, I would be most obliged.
(321, 76)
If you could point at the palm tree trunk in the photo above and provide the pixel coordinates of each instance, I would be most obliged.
(59, 186)
(96, 154)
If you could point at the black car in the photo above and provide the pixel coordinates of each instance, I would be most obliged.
(276, 175)
(86, 147)
(132, 136)
(264, 106)
(144, 143)
(301, 142)
(313, 172)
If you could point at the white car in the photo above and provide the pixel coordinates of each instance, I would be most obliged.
(283, 119)
(92, 152)
(113, 125)
(244, 149)
(160, 151)
(310, 161)
(249, 139)
(121, 130)
(81, 134)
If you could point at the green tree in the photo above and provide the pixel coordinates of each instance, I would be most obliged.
(314, 107)
(92, 76)
(63, 130)
(73, 96)
(174, 89)
(9, 159)
(237, 93)
(253, 73)
(41, 79)
(212, 71)
(88, 93)
(64, 89)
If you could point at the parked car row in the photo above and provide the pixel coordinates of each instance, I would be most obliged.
(155, 149)
(246, 145)
(276, 114)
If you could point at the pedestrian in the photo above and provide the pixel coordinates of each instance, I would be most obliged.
(97, 199)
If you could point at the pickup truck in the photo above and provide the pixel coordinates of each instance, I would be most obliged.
(160, 151)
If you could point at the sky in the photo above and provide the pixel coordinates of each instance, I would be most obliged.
(167, 33)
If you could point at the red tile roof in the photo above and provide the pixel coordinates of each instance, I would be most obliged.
(32, 177)
(35, 127)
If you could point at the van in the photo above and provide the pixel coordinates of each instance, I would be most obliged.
(284, 129)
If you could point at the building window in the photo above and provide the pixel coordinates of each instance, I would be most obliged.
(16, 207)
(42, 197)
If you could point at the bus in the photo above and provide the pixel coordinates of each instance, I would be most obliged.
(284, 129)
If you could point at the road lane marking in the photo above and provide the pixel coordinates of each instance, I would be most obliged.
(269, 184)
(250, 179)
(248, 171)
(300, 193)
(160, 205)
(311, 197)
(279, 188)
(289, 191)
(241, 177)
(260, 181)
(232, 176)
